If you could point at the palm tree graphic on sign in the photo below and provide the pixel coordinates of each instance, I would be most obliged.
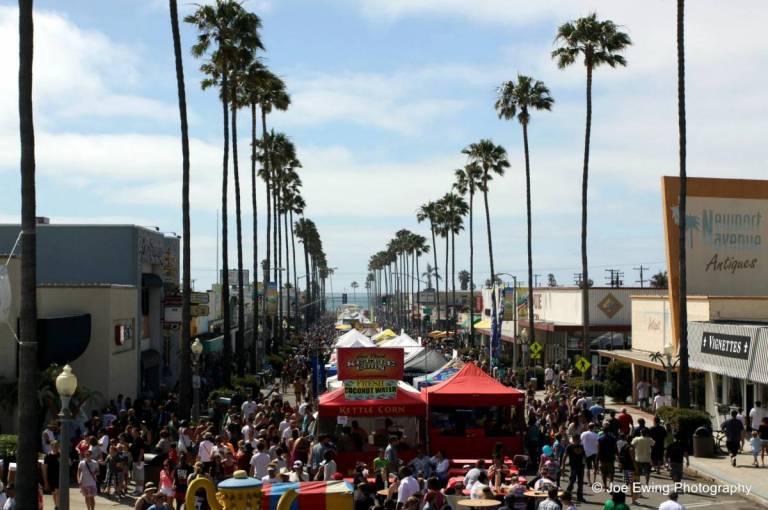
(691, 224)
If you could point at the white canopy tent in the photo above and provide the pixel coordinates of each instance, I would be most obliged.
(410, 345)
(353, 338)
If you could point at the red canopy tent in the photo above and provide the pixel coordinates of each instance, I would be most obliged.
(406, 403)
(470, 386)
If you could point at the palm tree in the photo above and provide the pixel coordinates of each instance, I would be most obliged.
(420, 247)
(598, 42)
(233, 33)
(185, 372)
(468, 181)
(354, 286)
(518, 100)
(464, 279)
(683, 376)
(429, 211)
(455, 209)
(26, 457)
(492, 159)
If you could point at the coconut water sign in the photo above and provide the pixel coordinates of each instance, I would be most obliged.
(726, 247)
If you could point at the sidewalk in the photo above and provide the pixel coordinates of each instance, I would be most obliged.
(717, 469)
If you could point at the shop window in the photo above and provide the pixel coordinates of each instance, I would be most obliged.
(734, 392)
(718, 378)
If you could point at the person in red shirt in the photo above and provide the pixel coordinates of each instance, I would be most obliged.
(625, 421)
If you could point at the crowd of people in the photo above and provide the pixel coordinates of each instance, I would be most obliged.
(570, 439)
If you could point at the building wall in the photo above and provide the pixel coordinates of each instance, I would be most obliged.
(606, 305)
(104, 367)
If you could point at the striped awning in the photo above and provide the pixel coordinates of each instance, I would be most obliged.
(737, 350)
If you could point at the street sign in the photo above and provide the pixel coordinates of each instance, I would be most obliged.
(536, 347)
(199, 298)
(535, 355)
(583, 365)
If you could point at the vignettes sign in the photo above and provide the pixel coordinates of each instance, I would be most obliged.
(370, 363)
(369, 389)
(732, 346)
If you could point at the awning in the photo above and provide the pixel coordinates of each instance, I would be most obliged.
(215, 344)
(151, 280)
(62, 340)
(632, 357)
(737, 350)
(471, 387)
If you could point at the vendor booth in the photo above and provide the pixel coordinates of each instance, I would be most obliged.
(375, 421)
(471, 412)
(404, 341)
(353, 338)
(443, 373)
(423, 362)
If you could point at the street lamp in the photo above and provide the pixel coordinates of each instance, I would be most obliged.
(66, 385)
(197, 350)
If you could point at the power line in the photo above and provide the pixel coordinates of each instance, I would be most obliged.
(641, 281)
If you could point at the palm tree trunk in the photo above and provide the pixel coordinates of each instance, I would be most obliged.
(293, 254)
(287, 266)
(227, 351)
(493, 274)
(437, 287)
(453, 283)
(447, 252)
(309, 300)
(26, 457)
(683, 377)
(586, 351)
(255, 344)
(418, 295)
(185, 368)
(531, 331)
(471, 271)
(240, 337)
(268, 189)
(279, 249)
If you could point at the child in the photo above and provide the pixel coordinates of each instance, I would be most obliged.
(756, 445)
(567, 501)
(111, 478)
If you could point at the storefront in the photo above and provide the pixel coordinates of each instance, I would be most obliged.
(734, 358)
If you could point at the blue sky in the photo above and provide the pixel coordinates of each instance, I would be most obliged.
(386, 93)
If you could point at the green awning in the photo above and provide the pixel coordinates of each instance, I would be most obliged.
(215, 344)
(465, 324)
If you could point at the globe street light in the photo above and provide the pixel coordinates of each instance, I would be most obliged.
(66, 385)
(197, 349)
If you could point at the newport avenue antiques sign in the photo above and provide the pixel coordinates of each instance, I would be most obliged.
(370, 389)
(370, 363)
(721, 344)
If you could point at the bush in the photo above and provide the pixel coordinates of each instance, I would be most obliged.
(277, 363)
(589, 386)
(618, 380)
(8, 444)
(685, 421)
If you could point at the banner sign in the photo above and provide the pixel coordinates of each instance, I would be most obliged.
(731, 346)
(370, 389)
(370, 363)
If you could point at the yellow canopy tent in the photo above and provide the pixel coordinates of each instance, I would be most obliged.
(384, 335)
(343, 327)
(484, 324)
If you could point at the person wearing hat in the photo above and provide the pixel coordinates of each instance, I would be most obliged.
(284, 475)
(297, 473)
(271, 476)
(147, 499)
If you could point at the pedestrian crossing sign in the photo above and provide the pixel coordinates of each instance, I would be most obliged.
(535, 355)
(583, 365)
(536, 347)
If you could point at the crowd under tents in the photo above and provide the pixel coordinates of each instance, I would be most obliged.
(423, 362)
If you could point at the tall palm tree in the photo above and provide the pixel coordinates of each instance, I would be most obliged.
(683, 376)
(518, 100)
(26, 457)
(227, 33)
(468, 182)
(492, 159)
(599, 43)
(185, 372)
(455, 209)
(428, 212)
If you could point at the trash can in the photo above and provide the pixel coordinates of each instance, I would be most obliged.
(703, 443)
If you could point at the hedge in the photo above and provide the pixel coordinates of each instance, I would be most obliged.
(589, 386)
(8, 445)
(618, 381)
(685, 421)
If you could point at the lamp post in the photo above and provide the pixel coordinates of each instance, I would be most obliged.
(197, 350)
(66, 385)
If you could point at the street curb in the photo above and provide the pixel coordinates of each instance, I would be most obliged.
(710, 478)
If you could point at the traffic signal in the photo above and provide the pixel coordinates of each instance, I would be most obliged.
(344, 298)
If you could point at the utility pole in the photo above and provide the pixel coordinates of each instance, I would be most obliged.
(642, 269)
(536, 280)
(577, 279)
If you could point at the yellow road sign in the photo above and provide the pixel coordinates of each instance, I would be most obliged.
(535, 355)
(583, 365)
(536, 347)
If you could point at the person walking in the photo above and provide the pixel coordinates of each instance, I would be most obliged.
(671, 503)
(734, 432)
(576, 457)
(87, 479)
(644, 447)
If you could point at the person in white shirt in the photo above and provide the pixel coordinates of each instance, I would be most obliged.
(303, 407)
(260, 461)
(589, 441)
(478, 488)
(408, 486)
(474, 474)
(549, 375)
(756, 415)
(248, 408)
(442, 465)
(671, 503)
(298, 474)
(660, 401)
(642, 392)
(271, 476)
(205, 452)
(49, 434)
